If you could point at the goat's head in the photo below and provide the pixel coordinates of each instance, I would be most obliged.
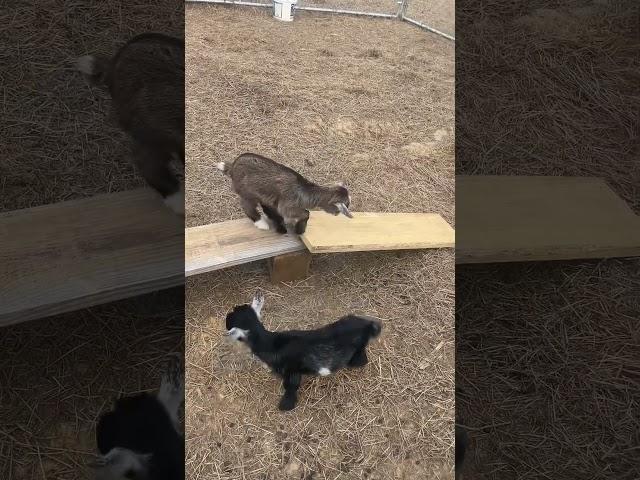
(121, 464)
(245, 318)
(339, 201)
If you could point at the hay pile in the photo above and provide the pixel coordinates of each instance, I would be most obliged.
(378, 114)
(546, 352)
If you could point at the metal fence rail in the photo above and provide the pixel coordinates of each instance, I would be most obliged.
(400, 14)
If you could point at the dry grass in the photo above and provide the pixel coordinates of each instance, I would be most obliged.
(439, 14)
(58, 140)
(547, 353)
(379, 115)
(550, 91)
(57, 374)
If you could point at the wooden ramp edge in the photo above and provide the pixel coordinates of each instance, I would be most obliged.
(75, 254)
(234, 242)
(371, 231)
(540, 218)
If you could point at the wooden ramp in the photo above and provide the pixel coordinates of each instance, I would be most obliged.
(76, 254)
(368, 231)
(512, 219)
(221, 245)
(234, 242)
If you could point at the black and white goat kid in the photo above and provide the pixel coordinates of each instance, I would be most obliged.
(284, 195)
(293, 353)
(145, 79)
(141, 438)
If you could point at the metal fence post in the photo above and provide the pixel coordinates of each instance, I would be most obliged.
(403, 4)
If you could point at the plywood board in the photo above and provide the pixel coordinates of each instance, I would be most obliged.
(512, 218)
(225, 244)
(376, 231)
(71, 255)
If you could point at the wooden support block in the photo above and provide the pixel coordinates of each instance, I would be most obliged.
(536, 218)
(289, 267)
(75, 254)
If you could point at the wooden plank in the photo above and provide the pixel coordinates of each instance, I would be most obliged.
(368, 231)
(71, 255)
(234, 242)
(514, 218)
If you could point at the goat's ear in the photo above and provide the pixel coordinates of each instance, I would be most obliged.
(258, 302)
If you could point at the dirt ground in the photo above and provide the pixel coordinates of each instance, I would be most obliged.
(378, 114)
(58, 374)
(546, 353)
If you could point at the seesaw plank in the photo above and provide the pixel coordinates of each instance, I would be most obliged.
(516, 218)
(368, 231)
(75, 254)
(230, 243)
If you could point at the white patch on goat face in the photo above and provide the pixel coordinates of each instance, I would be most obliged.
(238, 334)
(262, 224)
(324, 371)
(257, 303)
(118, 463)
(175, 201)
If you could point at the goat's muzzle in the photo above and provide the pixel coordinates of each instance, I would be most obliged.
(344, 210)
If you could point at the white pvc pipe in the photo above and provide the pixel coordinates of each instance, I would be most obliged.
(233, 2)
(433, 30)
(402, 8)
(346, 12)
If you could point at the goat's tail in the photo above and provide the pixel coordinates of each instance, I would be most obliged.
(93, 67)
(223, 167)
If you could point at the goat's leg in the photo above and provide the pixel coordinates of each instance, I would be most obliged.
(301, 225)
(155, 167)
(359, 358)
(171, 393)
(250, 208)
(295, 218)
(275, 217)
(291, 383)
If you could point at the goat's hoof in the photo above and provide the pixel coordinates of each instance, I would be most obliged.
(176, 203)
(262, 224)
(286, 404)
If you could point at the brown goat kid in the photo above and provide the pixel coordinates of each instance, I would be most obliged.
(284, 195)
(145, 79)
